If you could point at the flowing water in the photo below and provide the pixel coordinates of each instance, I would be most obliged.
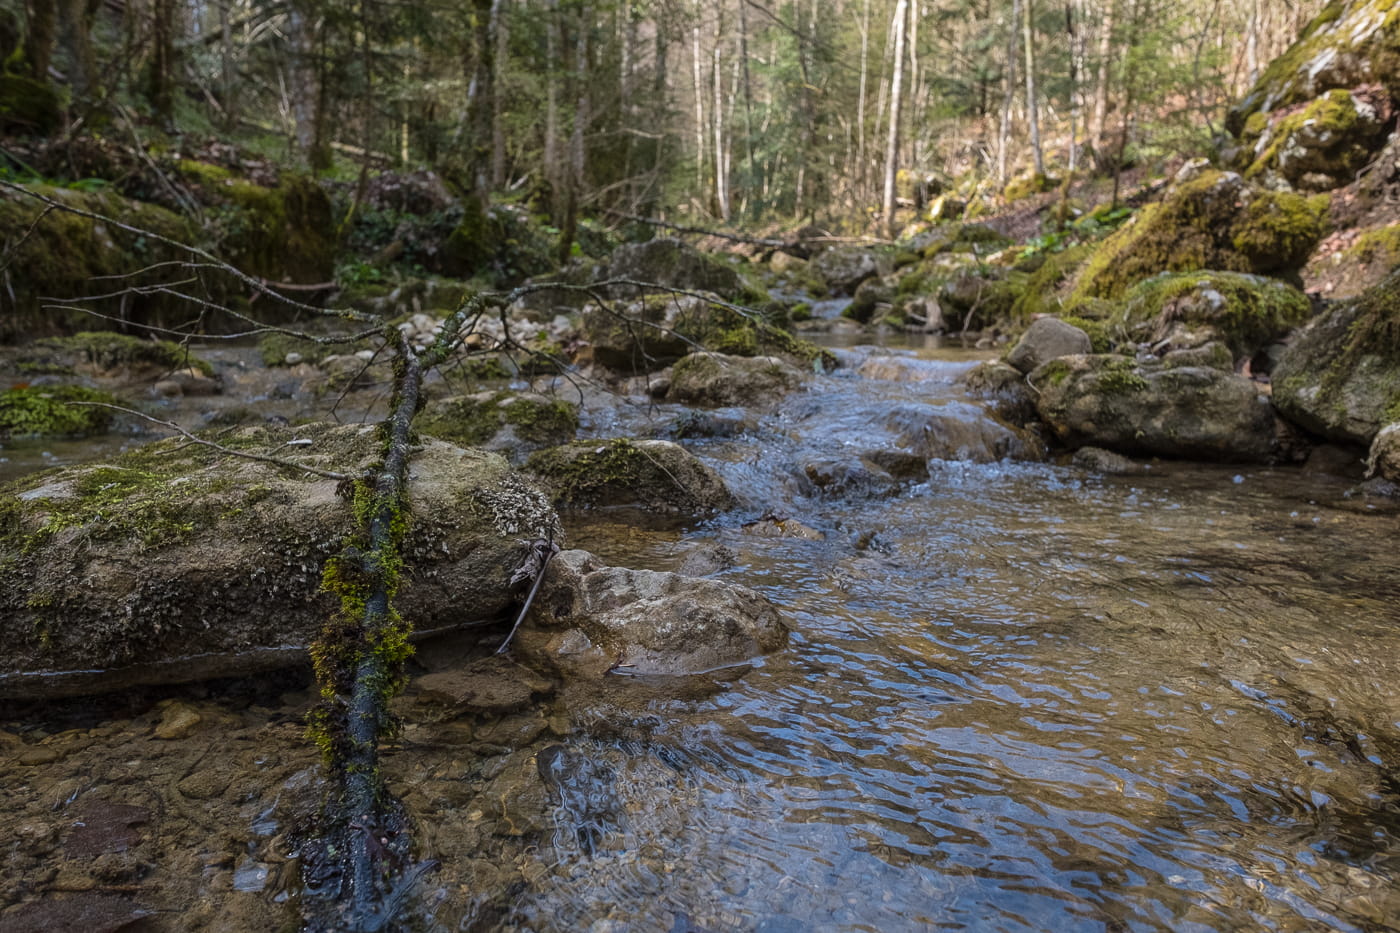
(1018, 696)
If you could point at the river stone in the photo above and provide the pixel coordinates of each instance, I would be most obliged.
(1046, 339)
(643, 621)
(953, 430)
(716, 380)
(658, 475)
(644, 335)
(1191, 413)
(1340, 376)
(176, 562)
(1004, 386)
(1384, 460)
(488, 685)
(1098, 460)
(668, 262)
(843, 268)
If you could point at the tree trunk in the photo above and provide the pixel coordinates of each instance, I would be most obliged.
(901, 10)
(1032, 107)
(500, 28)
(699, 103)
(39, 38)
(1004, 132)
(862, 163)
(1095, 139)
(553, 67)
(717, 79)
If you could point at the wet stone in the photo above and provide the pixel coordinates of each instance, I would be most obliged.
(204, 784)
(177, 721)
(490, 685)
(81, 913)
(101, 826)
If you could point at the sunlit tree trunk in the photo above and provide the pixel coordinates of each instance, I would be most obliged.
(1004, 132)
(901, 10)
(1095, 137)
(717, 81)
(1032, 104)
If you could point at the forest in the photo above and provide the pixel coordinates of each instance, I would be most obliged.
(759, 465)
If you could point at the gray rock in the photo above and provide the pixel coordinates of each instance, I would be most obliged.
(661, 476)
(843, 268)
(960, 431)
(1384, 460)
(668, 262)
(1004, 386)
(175, 563)
(1098, 460)
(1192, 413)
(589, 619)
(716, 380)
(1046, 339)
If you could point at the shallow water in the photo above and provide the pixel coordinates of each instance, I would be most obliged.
(1018, 697)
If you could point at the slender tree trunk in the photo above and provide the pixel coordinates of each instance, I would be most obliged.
(75, 35)
(500, 29)
(752, 171)
(699, 102)
(1004, 132)
(305, 91)
(1032, 105)
(1251, 40)
(227, 88)
(862, 162)
(717, 80)
(1095, 137)
(1136, 9)
(39, 38)
(552, 173)
(901, 10)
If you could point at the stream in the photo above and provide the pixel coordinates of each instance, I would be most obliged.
(1018, 697)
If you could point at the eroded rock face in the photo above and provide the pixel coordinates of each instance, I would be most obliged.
(177, 563)
(589, 619)
(1340, 377)
(1186, 412)
(716, 380)
(1045, 340)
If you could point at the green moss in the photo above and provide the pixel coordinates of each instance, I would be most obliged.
(1120, 377)
(50, 411)
(274, 347)
(1099, 333)
(1027, 185)
(105, 351)
(1040, 294)
(1216, 221)
(28, 106)
(472, 420)
(1337, 139)
(1247, 311)
(1055, 372)
(1381, 246)
(582, 478)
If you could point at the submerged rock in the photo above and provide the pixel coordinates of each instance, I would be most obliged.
(715, 380)
(653, 474)
(589, 619)
(177, 562)
(1187, 412)
(960, 431)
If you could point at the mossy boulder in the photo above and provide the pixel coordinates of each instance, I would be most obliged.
(1321, 147)
(656, 330)
(715, 380)
(283, 234)
(1340, 376)
(1045, 291)
(979, 296)
(513, 424)
(109, 357)
(1046, 339)
(54, 411)
(1004, 387)
(670, 263)
(590, 619)
(57, 254)
(871, 295)
(1027, 185)
(1190, 309)
(659, 476)
(843, 268)
(28, 106)
(1157, 409)
(1215, 221)
(500, 242)
(177, 562)
(1349, 44)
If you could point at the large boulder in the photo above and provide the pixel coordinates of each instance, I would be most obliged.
(954, 430)
(1322, 146)
(670, 263)
(1190, 309)
(715, 380)
(178, 562)
(1340, 377)
(1046, 339)
(589, 619)
(1349, 44)
(843, 268)
(1214, 221)
(511, 423)
(660, 476)
(1154, 408)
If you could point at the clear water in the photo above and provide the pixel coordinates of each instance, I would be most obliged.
(1018, 697)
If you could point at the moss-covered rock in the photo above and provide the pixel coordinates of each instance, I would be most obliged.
(716, 380)
(1340, 377)
(1215, 221)
(54, 411)
(659, 476)
(1027, 185)
(1044, 291)
(670, 263)
(656, 330)
(501, 421)
(28, 106)
(1192, 413)
(1384, 457)
(109, 357)
(1190, 309)
(843, 268)
(871, 294)
(980, 296)
(178, 562)
(57, 254)
(1321, 147)
(284, 234)
(1349, 44)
